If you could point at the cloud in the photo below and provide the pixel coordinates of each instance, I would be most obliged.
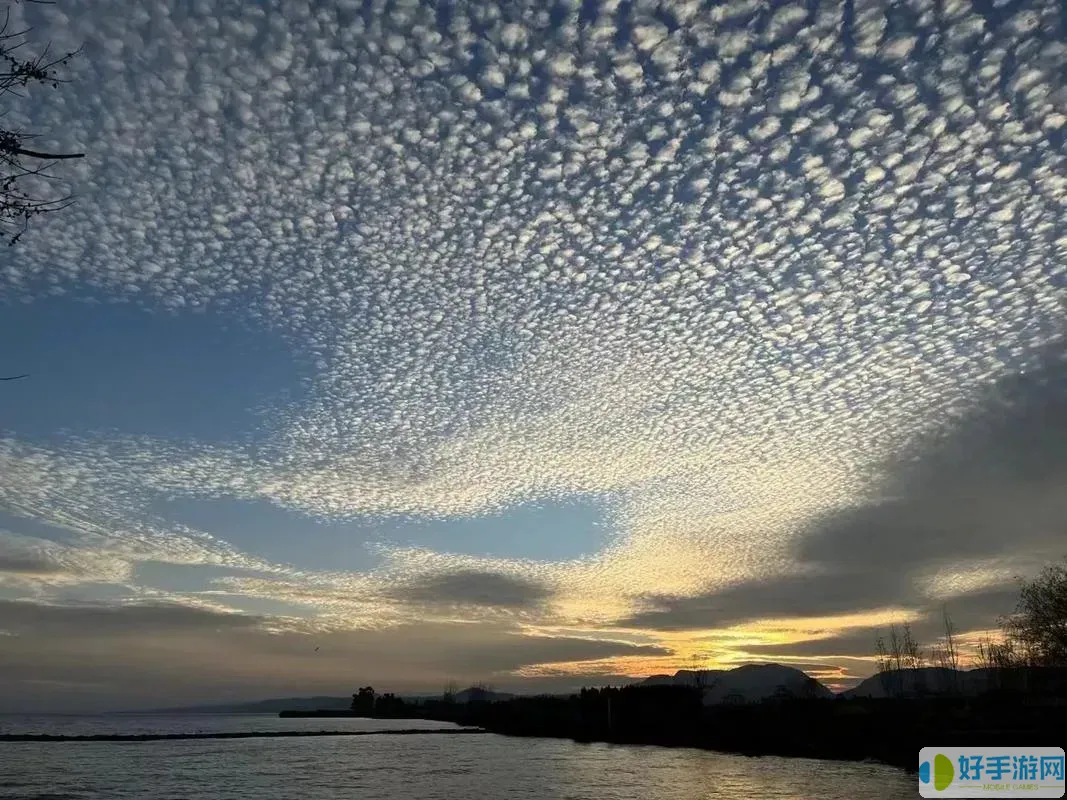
(955, 514)
(854, 644)
(736, 274)
(28, 564)
(165, 654)
(80, 494)
(46, 621)
(28, 560)
(468, 587)
(988, 484)
(969, 613)
(784, 597)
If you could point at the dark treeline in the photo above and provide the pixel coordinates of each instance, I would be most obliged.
(891, 730)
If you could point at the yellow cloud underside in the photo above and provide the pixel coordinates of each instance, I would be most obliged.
(720, 648)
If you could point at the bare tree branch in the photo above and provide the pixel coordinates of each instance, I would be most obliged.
(22, 195)
(19, 151)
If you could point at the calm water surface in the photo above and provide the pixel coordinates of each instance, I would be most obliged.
(400, 767)
(74, 725)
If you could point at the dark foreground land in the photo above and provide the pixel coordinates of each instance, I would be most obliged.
(887, 730)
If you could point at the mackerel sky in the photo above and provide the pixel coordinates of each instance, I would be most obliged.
(534, 344)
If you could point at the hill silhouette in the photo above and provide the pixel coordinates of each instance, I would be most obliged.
(923, 682)
(746, 684)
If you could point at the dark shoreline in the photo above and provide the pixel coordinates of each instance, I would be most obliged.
(889, 731)
(892, 755)
(157, 737)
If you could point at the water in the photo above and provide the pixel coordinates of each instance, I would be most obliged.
(79, 725)
(400, 767)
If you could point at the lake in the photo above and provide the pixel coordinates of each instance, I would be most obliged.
(398, 767)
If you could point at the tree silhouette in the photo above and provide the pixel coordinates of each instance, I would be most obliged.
(1038, 628)
(946, 655)
(901, 652)
(24, 169)
(363, 700)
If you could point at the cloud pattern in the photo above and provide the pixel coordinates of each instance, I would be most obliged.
(721, 265)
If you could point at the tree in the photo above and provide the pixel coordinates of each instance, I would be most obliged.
(997, 655)
(363, 700)
(946, 653)
(1038, 628)
(25, 169)
(450, 692)
(900, 653)
(389, 705)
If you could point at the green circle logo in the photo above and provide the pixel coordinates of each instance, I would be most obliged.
(943, 772)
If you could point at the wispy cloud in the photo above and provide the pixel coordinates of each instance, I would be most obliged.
(30, 560)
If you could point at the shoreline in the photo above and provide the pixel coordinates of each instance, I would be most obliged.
(904, 759)
(888, 731)
(897, 758)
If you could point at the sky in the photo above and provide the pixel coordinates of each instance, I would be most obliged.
(537, 345)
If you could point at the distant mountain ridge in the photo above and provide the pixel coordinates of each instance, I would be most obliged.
(747, 684)
(751, 683)
(476, 694)
(913, 683)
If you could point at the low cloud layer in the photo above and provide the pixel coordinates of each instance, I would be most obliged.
(164, 654)
(470, 588)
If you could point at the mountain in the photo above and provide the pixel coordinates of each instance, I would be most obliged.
(910, 683)
(663, 680)
(748, 684)
(915, 682)
(476, 694)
